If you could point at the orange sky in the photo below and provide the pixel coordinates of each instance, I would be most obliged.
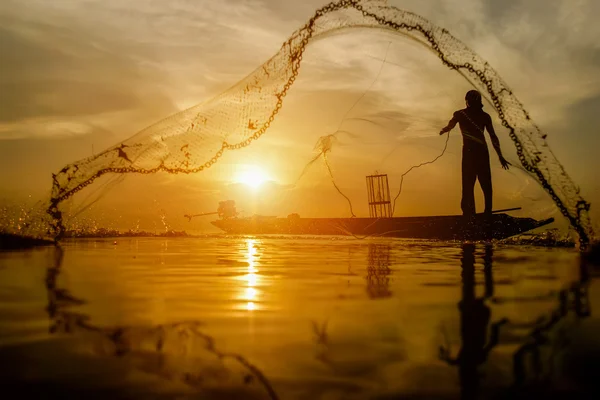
(80, 77)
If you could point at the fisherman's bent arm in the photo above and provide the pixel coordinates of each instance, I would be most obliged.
(450, 125)
(495, 140)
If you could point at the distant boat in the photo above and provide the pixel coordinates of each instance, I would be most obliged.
(448, 227)
(498, 225)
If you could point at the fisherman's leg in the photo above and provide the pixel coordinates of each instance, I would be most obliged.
(469, 175)
(485, 180)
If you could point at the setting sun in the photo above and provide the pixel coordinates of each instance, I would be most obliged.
(252, 176)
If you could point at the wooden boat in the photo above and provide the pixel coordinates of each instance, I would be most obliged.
(448, 227)
(498, 225)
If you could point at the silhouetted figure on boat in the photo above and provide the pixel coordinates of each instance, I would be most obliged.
(476, 159)
(475, 318)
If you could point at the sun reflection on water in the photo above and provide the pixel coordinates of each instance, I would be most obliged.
(251, 293)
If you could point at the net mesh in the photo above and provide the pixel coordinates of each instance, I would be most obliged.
(195, 139)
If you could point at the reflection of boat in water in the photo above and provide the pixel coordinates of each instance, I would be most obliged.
(498, 225)
(378, 271)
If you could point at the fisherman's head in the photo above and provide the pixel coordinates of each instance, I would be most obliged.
(473, 99)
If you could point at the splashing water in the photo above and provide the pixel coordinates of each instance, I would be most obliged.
(195, 139)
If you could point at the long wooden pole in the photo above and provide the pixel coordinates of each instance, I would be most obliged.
(506, 209)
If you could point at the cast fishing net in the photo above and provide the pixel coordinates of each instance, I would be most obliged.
(193, 140)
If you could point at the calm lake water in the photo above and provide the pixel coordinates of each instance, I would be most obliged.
(297, 318)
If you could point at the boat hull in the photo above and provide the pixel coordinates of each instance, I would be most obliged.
(9, 241)
(451, 227)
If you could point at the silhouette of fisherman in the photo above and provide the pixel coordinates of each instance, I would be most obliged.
(476, 158)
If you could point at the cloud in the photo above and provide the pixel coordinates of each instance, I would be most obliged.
(578, 140)
(51, 77)
(68, 60)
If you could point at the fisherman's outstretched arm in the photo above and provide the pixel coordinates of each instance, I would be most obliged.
(450, 125)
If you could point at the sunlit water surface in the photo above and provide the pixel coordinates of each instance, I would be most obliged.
(296, 318)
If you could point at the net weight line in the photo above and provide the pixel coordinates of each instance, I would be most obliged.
(418, 166)
(327, 149)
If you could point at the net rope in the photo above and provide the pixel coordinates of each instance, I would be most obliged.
(195, 139)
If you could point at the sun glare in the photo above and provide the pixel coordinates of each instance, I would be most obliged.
(253, 177)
